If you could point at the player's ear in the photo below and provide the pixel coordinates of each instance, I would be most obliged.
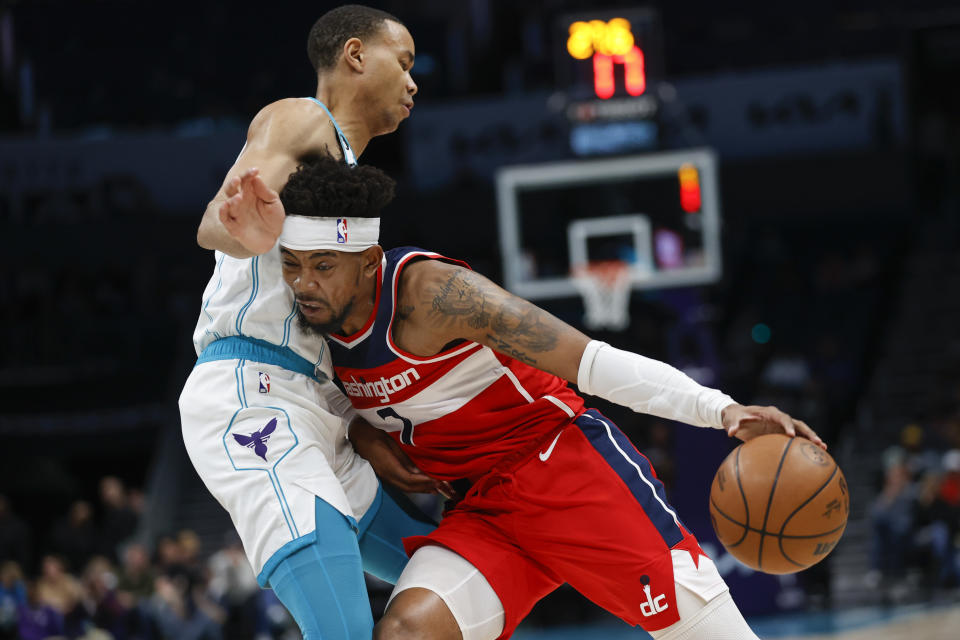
(353, 53)
(370, 260)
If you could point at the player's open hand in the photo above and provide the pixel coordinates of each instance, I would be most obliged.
(252, 212)
(391, 463)
(749, 422)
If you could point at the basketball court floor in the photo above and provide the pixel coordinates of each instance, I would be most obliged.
(915, 622)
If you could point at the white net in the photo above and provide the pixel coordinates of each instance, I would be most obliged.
(605, 288)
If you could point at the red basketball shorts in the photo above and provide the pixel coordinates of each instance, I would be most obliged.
(587, 509)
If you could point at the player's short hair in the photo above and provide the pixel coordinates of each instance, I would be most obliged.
(325, 187)
(336, 26)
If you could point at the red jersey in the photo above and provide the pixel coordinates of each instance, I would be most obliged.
(455, 413)
(588, 510)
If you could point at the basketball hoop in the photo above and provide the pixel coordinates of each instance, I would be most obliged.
(605, 288)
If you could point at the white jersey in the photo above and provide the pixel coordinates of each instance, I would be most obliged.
(262, 423)
(248, 297)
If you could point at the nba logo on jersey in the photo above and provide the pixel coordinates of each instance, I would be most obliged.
(264, 382)
(341, 230)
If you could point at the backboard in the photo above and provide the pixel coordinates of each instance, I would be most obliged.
(660, 212)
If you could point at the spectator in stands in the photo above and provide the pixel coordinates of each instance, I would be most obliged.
(171, 559)
(190, 545)
(14, 536)
(234, 586)
(178, 614)
(920, 460)
(892, 520)
(61, 591)
(56, 587)
(13, 595)
(119, 519)
(101, 601)
(37, 620)
(75, 536)
(939, 511)
(135, 587)
(137, 576)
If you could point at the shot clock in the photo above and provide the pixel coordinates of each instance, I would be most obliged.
(609, 64)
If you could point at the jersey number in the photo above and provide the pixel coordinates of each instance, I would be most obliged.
(406, 434)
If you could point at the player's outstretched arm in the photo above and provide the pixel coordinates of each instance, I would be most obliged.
(445, 302)
(245, 217)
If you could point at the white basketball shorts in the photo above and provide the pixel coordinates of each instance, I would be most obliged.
(264, 444)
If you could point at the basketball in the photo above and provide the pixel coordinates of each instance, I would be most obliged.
(779, 504)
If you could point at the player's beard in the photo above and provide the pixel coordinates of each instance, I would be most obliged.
(334, 325)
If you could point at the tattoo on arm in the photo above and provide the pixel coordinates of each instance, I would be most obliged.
(506, 348)
(460, 296)
(516, 327)
(523, 322)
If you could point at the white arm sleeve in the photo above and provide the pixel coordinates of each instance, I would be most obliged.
(649, 386)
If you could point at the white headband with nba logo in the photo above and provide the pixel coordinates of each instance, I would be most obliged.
(306, 233)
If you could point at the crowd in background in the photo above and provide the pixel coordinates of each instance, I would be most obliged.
(915, 517)
(90, 577)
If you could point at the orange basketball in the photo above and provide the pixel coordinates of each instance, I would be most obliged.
(779, 504)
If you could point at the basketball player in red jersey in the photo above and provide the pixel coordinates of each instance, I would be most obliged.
(471, 382)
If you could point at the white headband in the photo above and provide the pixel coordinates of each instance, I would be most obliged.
(304, 233)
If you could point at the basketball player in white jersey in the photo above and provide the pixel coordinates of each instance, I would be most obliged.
(261, 422)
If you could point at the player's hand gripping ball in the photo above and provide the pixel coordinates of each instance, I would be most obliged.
(779, 504)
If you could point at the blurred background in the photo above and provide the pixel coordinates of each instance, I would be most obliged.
(795, 169)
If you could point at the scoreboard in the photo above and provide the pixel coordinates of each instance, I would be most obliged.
(657, 212)
(609, 54)
(609, 65)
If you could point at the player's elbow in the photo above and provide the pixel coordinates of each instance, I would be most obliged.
(205, 234)
(203, 237)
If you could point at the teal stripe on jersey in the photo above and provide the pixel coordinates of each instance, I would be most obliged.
(219, 284)
(240, 399)
(284, 507)
(254, 264)
(281, 495)
(348, 155)
(286, 325)
(254, 350)
(271, 473)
